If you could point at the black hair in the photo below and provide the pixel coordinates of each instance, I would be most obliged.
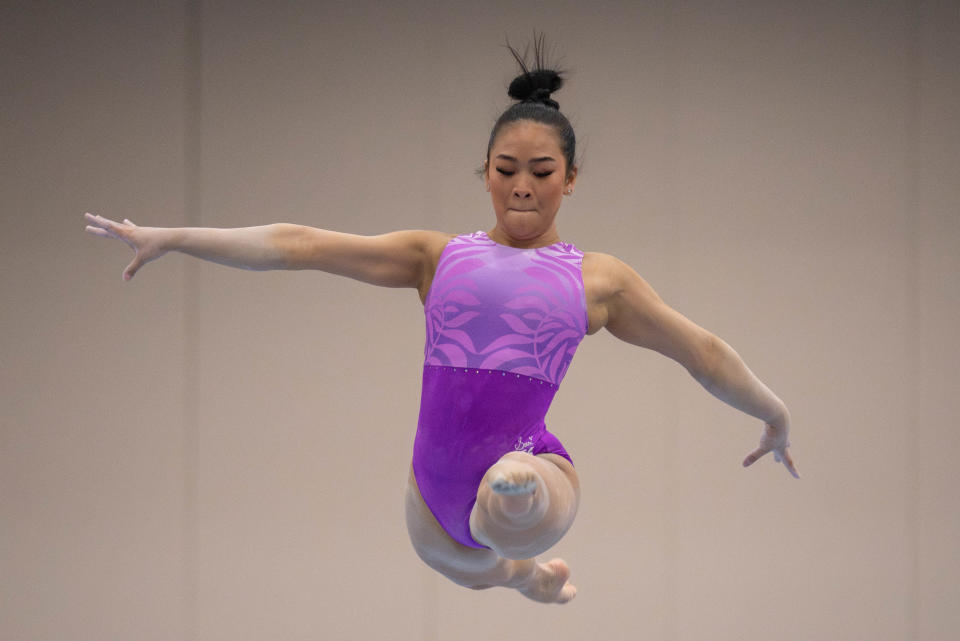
(532, 88)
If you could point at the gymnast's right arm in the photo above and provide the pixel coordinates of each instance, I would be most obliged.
(396, 259)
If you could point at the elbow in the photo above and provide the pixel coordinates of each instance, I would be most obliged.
(284, 246)
(705, 358)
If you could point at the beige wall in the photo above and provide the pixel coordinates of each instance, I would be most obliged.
(206, 453)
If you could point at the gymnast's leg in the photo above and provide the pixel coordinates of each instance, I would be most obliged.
(478, 568)
(525, 504)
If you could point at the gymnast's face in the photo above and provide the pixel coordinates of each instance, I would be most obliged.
(527, 177)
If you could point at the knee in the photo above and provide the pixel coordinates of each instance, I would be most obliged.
(465, 572)
(456, 562)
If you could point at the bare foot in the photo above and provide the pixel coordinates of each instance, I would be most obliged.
(509, 477)
(549, 583)
(517, 497)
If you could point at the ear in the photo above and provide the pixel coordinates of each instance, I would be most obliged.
(571, 181)
(486, 175)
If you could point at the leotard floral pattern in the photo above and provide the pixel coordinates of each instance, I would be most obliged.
(497, 307)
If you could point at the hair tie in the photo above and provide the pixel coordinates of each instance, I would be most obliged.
(542, 95)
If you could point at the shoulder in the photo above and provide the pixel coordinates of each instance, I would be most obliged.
(597, 261)
(436, 237)
(425, 238)
(434, 242)
(606, 275)
(427, 242)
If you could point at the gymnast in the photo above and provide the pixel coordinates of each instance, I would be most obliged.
(489, 487)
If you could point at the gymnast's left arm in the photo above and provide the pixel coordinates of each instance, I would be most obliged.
(620, 300)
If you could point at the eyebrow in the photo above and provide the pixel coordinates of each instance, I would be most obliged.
(540, 159)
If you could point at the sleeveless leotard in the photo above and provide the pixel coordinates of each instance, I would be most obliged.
(502, 326)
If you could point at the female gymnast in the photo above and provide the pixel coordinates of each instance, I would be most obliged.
(489, 487)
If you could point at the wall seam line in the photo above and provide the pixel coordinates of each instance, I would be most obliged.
(913, 342)
(192, 75)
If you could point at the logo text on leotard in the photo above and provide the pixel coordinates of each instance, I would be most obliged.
(524, 446)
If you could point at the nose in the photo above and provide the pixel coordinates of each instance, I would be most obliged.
(521, 191)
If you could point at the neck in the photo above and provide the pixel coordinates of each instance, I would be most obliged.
(545, 239)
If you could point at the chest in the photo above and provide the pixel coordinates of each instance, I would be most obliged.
(485, 278)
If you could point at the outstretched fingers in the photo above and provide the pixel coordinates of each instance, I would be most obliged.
(99, 221)
(106, 228)
(100, 226)
(754, 456)
(99, 231)
(787, 461)
(780, 455)
(132, 268)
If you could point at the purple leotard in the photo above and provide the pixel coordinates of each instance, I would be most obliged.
(502, 326)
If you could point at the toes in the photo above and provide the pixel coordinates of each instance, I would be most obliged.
(502, 485)
(560, 570)
(567, 594)
(512, 478)
(561, 575)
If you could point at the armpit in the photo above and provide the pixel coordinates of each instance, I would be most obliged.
(600, 278)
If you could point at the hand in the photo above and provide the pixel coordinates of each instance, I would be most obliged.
(145, 241)
(774, 440)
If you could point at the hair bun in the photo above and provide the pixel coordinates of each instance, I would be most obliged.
(535, 86)
(537, 81)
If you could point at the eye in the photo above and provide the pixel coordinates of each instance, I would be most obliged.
(542, 174)
(505, 172)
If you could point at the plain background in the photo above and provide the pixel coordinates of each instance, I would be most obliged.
(207, 453)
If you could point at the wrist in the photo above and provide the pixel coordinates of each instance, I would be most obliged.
(171, 238)
(781, 418)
